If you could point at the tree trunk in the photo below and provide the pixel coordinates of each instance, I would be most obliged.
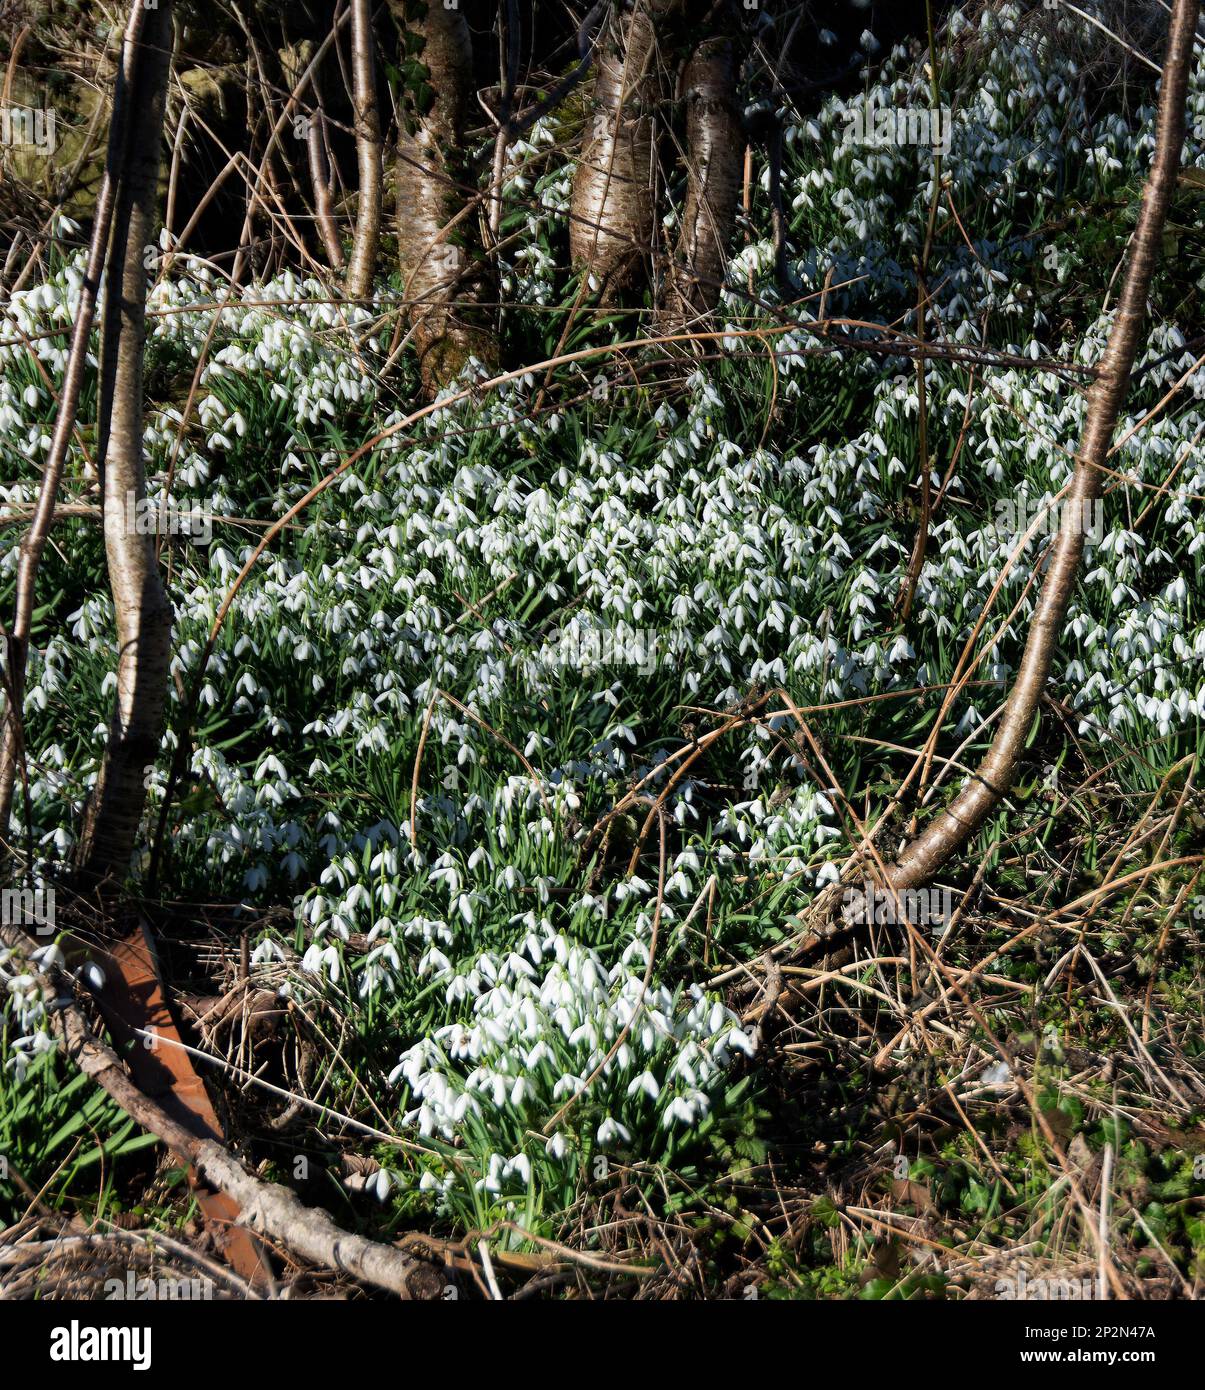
(322, 182)
(445, 271)
(367, 237)
(923, 856)
(713, 170)
(611, 213)
(73, 378)
(142, 610)
(300, 70)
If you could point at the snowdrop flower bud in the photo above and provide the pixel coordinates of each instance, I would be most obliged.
(93, 976)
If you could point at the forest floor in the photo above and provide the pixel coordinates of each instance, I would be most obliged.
(514, 897)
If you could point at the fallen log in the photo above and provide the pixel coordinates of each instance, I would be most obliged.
(268, 1209)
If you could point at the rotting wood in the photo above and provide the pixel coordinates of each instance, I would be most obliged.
(134, 1003)
(266, 1208)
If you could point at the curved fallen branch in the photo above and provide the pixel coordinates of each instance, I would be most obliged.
(267, 1209)
(924, 855)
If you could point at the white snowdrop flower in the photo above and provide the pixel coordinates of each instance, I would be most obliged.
(493, 1179)
(681, 1066)
(381, 1182)
(555, 1146)
(611, 1130)
(647, 1083)
(356, 895)
(433, 961)
(679, 1111)
(516, 966)
(49, 957)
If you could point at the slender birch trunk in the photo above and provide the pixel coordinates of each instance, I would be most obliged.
(923, 856)
(322, 183)
(446, 273)
(142, 609)
(300, 70)
(363, 263)
(12, 746)
(714, 150)
(612, 211)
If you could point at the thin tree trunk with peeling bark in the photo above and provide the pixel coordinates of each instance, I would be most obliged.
(611, 212)
(142, 609)
(11, 748)
(367, 238)
(508, 59)
(300, 68)
(320, 178)
(714, 151)
(923, 856)
(444, 269)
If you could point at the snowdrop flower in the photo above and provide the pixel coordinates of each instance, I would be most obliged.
(611, 1130)
(49, 957)
(997, 1075)
(647, 1083)
(519, 1167)
(93, 976)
